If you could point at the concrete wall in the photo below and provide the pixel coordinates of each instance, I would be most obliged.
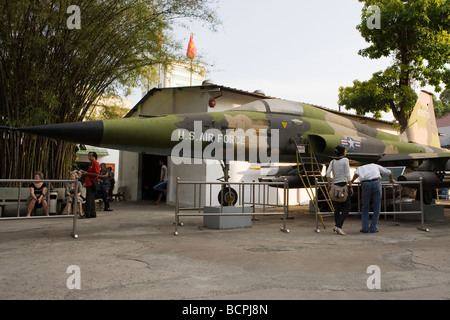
(129, 174)
(186, 172)
(445, 140)
(190, 100)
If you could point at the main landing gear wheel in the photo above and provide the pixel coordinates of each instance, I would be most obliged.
(427, 196)
(227, 196)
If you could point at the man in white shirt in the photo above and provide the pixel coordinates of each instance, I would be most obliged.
(370, 177)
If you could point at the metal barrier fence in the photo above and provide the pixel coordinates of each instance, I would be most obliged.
(395, 200)
(254, 189)
(20, 182)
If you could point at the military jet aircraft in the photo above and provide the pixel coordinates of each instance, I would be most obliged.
(269, 130)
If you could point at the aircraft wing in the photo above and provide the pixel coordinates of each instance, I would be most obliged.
(414, 156)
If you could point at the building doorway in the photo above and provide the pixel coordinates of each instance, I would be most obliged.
(151, 171)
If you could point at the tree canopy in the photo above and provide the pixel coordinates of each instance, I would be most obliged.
(415, 34)
(442, 106)
(58, 56)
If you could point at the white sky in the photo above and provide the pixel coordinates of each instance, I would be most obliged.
(298, 50)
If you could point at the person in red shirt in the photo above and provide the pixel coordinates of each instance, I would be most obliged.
(91, 179)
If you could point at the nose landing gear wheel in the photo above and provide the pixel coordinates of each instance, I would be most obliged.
(227, 196)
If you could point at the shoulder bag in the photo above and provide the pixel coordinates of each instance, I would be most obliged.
(338, 193)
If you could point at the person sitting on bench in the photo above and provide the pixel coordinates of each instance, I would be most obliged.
(38, 195)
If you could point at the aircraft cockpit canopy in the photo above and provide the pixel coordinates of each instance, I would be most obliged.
(273, 106)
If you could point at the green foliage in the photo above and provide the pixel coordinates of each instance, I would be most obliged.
(415, 34)
(374, 95)
(442, 106)
(53, 72)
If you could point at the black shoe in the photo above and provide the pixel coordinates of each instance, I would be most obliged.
(373, 231)
(83, 217)
(109, 209)
(363, 231)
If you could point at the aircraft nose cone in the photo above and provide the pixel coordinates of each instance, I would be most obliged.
(90, 132)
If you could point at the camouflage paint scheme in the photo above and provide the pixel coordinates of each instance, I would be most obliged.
(301, 122)
(264, 121)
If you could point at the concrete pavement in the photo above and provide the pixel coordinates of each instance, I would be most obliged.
(132, 253)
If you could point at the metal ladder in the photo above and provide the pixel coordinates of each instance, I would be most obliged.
(308, 167)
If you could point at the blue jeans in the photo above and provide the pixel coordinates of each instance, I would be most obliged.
(343, 207)
(371, 190)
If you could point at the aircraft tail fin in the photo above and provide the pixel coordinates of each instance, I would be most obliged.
(422, 128)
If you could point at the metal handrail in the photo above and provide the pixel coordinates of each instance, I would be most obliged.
(241, 197)
(74, 203)
(384, 186)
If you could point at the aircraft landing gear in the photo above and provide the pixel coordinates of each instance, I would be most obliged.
(427, 196)
(227, 196)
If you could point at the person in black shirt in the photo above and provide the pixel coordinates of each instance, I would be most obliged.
(38, 194)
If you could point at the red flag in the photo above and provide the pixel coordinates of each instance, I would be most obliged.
(191, 50)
